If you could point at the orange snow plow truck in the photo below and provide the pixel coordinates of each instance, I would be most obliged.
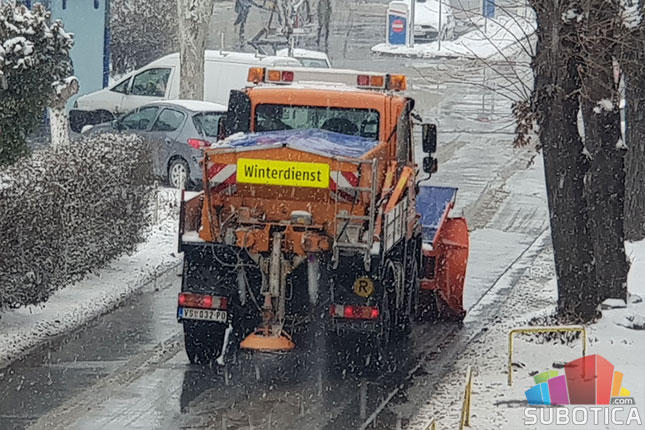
(312, 212)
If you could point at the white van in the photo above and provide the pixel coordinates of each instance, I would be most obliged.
(159, 80)
(307, 58)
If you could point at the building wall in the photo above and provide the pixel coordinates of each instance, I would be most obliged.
(86, 19)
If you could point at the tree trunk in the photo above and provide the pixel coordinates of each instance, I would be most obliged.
(556, 103)
(194, 17)
(58, 120)
(605, 178)
(635, 140)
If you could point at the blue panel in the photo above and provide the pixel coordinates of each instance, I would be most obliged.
(87, 23)
(397, 29)
(538, 394)
(106, 46)
(323, 141)
(489, 8)
(432, 204)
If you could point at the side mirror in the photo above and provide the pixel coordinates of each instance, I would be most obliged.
(429, 137)
(430, 165)
(238, 116)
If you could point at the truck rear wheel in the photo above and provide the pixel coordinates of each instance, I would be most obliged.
(204, 341)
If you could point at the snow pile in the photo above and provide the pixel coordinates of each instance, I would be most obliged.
(70, 210)
(493, 37)
(630, 14)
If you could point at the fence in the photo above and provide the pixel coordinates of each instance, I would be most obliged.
(465, 406)
(553, 329)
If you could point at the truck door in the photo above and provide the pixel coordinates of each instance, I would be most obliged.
(147, 86)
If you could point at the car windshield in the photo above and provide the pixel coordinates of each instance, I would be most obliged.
(207, 123)
(314, 62)
(350, 121)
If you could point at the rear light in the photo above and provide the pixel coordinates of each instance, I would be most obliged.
(274, 75)
(287, 76)
(397, 83)
(363, 80)
(202, 301)
(354, 312)
(199, 143)
(377, 81)
(256, 75)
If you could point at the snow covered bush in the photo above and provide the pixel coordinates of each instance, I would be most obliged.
(65, 211)
(34, 58)
(142, 31)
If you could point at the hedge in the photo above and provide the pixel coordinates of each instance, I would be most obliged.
(66, 211)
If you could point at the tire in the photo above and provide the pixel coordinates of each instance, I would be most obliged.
(78, 119)
(178, 173)
(388, 311)
(203, 341)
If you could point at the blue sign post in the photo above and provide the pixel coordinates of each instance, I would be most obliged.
(398, 24)
(488, 7)
(397, 29)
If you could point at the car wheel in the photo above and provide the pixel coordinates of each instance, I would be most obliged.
(78, 119)
(178, 173)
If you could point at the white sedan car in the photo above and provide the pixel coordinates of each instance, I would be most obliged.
(426, 20)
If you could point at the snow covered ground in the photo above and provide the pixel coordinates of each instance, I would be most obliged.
(618, 337)
(493, 39)
(73, 306)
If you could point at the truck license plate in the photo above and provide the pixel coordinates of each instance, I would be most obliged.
(203, 314)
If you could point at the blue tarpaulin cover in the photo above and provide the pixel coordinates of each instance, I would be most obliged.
(432, 203)
(322, 141)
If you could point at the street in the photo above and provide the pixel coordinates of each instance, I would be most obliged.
(128, 369)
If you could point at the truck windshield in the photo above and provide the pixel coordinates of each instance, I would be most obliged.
(355, 122)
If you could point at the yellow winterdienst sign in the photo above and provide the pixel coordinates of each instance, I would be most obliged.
(285, 173)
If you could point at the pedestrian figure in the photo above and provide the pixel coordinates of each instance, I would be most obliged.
(242, 8)
(324, 17)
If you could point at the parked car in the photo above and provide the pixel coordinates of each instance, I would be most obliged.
(178, 131)
(160, 79)
(307, 58)
(426, 20)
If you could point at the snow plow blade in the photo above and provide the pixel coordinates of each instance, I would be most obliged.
(445, 250)
(454, 246)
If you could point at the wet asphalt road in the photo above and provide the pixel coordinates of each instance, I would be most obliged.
(128, 370)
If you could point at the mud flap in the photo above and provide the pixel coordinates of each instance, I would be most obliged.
(451, 272)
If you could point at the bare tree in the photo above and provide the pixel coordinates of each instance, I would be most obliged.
(600, 37)
(634, 80)
(194, 17)
(555, 104)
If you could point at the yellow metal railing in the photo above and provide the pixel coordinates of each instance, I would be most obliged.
(465, 407)
(554, 329)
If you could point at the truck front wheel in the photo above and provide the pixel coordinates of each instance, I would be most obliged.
(204, 341)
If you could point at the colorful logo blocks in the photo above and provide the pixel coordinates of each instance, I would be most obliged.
(588, 380)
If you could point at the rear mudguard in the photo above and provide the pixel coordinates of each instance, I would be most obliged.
(445, 267)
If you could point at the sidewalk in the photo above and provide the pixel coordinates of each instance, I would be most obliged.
(617, 336)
